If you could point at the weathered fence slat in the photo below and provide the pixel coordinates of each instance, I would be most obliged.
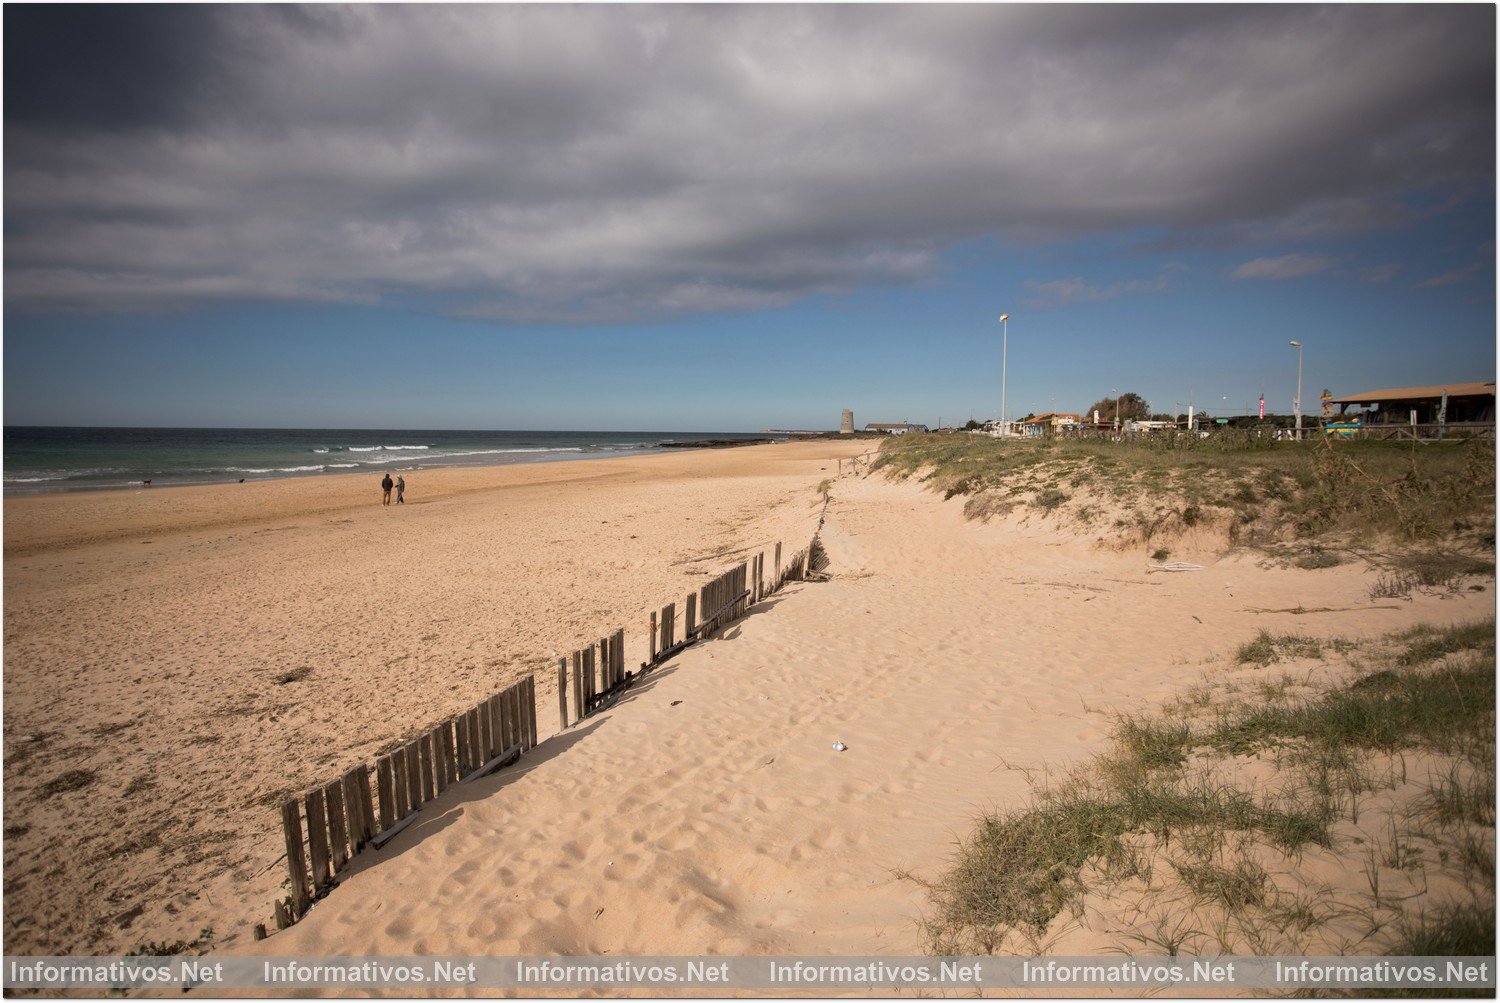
(366, 804)
(590, 686)
(531, 707)
(497, 712)
(398, 771)
(414, 775)
(296, 862)
(520, 710)
(469, 722)
(690, 620)
(338, 833)
(354, 807)
(317, 837)
(562, 693)
(460, 747)
(455, 764)
(486, 731)
(507, 719)
(424, 765)
(476, 735)
(386, 778)
(518, 702)
(578, 710)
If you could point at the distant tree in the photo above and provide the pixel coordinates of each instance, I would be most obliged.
(1029, 416)
(1132, 408)
(972, 426)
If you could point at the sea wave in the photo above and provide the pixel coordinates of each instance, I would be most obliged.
(38, 476)
(374, 449)
(43, 477)
(435, 457)
(273, 470)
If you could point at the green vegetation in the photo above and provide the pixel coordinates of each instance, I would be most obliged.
(1266, 648)
(161, 949)
(1258, 489)
(1168, 794)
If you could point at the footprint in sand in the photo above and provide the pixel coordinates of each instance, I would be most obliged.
(577, 849)
(680, 839)
(486, 926)
(855, 790)
(543, 911)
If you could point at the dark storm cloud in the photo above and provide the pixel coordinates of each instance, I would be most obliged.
(607, 163)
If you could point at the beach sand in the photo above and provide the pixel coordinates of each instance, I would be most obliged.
(177, 660)
(708, 813)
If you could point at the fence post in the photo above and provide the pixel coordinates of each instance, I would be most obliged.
(338, 832)
(296, 862)
(776, 578)
(578, 709)
(366, 805)
(385, 778)
(317, 837)
(531, 710)
(413, 776)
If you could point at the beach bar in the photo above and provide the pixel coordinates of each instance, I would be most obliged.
(1452, 409)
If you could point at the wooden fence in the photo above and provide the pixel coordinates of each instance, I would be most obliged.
(851, 464)
(328, 826)
(343, 817)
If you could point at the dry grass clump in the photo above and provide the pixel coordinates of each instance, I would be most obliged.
(1182, 814)
(1263, 491)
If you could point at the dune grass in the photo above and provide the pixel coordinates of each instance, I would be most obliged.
(1370, 490)
(1433, 691)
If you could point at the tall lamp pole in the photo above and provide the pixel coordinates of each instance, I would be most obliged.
(1298, 346)
(1004, 351)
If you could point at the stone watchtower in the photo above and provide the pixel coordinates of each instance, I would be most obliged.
(846, 422)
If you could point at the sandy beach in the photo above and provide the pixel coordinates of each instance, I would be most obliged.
(177, 660)
(707, 812)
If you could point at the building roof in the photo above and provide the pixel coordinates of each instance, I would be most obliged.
(1419, 393)
(1050, 415)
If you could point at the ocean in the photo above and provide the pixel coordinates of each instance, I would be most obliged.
(63, 459)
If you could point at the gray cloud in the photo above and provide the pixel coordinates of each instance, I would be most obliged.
(596, 164)
(1288, 266)
(1378, 273)
(1065, 292)
(1451, 278)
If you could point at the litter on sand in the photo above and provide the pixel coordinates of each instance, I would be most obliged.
(839, 747)
(1177, 566)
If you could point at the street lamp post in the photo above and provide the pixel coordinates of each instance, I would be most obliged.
(1004, 351)
(1117, 407)
(1298, 346)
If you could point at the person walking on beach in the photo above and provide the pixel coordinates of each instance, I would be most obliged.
(385, 488)
(400, 490)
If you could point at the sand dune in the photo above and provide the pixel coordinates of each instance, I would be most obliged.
(707, 813)
(176, 660)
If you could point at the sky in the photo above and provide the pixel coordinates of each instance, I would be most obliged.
(733, 217)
